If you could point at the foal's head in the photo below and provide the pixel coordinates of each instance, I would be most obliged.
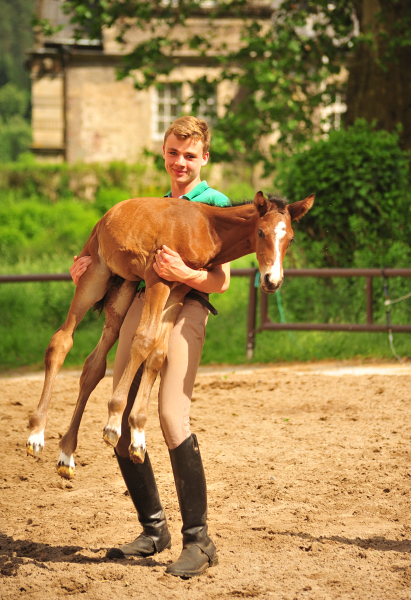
(274, 234)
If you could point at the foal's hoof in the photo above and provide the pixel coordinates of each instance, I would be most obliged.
(66, 466)
(35, 444)
(110, 436)
(137, 453)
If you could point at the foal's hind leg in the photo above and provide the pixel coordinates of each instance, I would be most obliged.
(91, 288)
(116, 306)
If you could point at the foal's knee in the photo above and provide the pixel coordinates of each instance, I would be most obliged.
(156, 359)
(142, 345)
(59, 346)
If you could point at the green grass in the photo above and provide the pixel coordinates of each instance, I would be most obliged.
(226, 333)
(31, 312)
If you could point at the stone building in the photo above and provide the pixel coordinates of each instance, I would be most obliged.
(81, 112)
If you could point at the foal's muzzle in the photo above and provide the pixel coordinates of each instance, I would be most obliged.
(268, 285)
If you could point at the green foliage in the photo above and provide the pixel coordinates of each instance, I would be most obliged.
(13, 101)
(106, 198)
(361, 216)
(41, 233)
(16, 38)
(15, 131)
(283, 62)
(53, 182)
(15, 138)
(31, 312)
(31, 229)
(44, 207)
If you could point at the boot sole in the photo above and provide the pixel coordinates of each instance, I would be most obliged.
(189, 574)
(119, 554)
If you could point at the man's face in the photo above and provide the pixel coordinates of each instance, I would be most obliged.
(183, 159)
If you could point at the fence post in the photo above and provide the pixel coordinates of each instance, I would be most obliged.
(369, 301)
(251, 321)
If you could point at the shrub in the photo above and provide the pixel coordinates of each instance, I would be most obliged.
(361, 178)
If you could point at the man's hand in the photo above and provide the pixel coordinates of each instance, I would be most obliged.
(79, 267)
(170, 266)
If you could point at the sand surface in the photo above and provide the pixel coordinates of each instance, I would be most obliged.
(308, 471)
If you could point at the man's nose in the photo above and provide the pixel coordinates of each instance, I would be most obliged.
(180, 159)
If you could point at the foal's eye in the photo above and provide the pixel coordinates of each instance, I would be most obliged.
(291, 241)
(261, 233)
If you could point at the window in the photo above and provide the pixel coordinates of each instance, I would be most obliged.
(167, 107)
(208, 109)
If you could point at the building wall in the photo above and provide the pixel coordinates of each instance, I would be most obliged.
(106, 119)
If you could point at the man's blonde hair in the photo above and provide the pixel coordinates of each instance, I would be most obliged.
(190, 127)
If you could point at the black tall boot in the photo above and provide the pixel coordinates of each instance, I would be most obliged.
(199, 551)
(141, 484)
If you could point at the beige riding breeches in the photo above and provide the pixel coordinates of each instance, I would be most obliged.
(179, 370)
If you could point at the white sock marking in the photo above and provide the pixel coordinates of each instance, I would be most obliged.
(65, 460)
(138, 439)
(36, 439)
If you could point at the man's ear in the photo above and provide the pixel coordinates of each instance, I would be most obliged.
(261, 203)
(298, 209)
(205, 159)
(164, 151)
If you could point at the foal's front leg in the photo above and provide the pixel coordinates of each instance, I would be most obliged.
(138, 414)
(142, 344)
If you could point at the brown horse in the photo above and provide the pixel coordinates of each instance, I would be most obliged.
(123, 246)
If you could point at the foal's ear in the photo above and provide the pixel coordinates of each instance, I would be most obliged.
(261, 203)
(299, 209)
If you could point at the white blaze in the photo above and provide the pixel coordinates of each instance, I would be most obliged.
(276, 271)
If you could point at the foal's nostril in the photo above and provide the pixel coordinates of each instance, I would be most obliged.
(267, 280)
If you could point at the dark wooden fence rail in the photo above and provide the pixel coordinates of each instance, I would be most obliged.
(266, 322)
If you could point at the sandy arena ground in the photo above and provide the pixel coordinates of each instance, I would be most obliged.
(308, 471)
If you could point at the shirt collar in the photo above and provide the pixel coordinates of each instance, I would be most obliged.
(199, 189)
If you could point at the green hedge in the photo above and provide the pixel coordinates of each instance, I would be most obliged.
(55, 182)
(362, 212)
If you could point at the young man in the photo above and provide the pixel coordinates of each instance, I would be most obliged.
(185, 151)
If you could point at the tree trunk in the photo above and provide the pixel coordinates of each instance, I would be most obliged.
(382, 92)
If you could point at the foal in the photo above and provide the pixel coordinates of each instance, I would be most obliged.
(124, 243)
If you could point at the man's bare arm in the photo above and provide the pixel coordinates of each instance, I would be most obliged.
(170, 266)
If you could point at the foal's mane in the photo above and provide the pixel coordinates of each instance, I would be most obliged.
(276, 199)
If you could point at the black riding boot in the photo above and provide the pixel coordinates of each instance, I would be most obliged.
(199, 552)
(140, 482)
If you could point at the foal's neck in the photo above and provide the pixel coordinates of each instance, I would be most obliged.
(235, 229)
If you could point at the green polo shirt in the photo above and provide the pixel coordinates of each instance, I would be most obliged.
(205, 194)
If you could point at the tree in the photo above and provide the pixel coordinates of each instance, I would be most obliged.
(15, 131)
(379, 84)
(16, 37)
(291, 61)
